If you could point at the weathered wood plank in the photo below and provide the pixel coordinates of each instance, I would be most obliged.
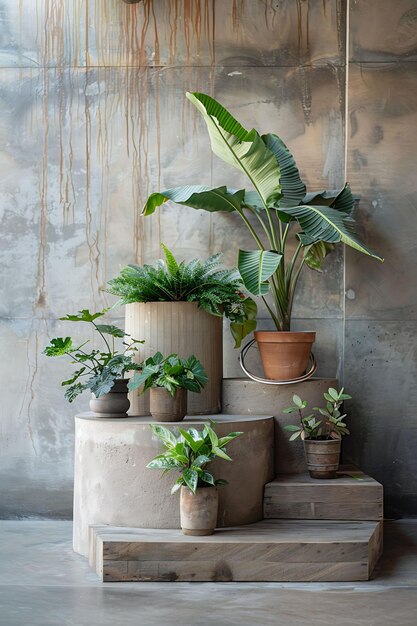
(268, 551)
(222, 571)
(351, 496)
(376, 545)
(295, 552)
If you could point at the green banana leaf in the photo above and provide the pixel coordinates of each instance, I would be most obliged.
(292, 187)
(323, 223)
(340, 199)
(244, 150)
(255, 267)
(197, 197)
(323, 215)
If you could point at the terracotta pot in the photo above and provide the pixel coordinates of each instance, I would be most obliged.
(284, 354)
(184, 328)
(199, 510)
(167, 408)
(322, 457)
(112, 404)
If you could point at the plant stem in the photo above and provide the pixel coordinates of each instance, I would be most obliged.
(78, 361)
(271, 243)
(294, 285)
(271, 313)
(251, 229)
(103, 337)
(272, 229)
(292, 263)
(284, 236)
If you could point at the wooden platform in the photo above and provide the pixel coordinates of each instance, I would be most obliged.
(351, 496)
(271, 551)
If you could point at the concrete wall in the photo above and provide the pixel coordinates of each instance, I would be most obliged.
(93, 117)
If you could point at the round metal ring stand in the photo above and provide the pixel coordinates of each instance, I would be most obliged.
(267, 381)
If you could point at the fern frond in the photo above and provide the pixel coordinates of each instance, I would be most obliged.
(216, 289)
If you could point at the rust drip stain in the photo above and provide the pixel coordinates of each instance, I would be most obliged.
(43, 196)
(303, 29)
(273, 9)
(121, 47)
(29, 386)
(91, 239)
(341, 28)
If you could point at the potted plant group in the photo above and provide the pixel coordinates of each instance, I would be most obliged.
(321, 432)
(276, 210)
(190, 453)
(168, 379)
(100, 371)
(178, 307)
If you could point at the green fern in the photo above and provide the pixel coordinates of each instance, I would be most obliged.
(217, 290)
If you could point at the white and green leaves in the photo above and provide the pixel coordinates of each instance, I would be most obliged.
(255, 267)
(189, 453)
(171, 373)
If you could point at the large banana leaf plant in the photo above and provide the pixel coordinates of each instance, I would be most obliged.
(277, 203)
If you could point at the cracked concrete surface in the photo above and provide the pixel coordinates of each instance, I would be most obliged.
(43, 583)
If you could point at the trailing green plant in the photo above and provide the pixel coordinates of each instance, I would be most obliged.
(190, 453)
(329, 424)
(99, 368)
(171, 373)
(217, 290)
(277, 203)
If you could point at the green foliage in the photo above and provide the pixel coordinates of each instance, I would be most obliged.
(217, 290)
(190, 453)
(275, 209)
(59, 346)
(244, 323)
(330, 424)
(100, 369)
(171, 373)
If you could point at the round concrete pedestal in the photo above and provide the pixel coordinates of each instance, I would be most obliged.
(113, 486)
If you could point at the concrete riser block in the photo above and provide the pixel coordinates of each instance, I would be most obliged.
(113, 486)
(247, 397)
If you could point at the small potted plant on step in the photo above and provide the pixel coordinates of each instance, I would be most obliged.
(169, 378)
(320, 433)
(102, 372)
(190, 453)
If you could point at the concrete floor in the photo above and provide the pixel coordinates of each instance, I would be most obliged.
(43, 583)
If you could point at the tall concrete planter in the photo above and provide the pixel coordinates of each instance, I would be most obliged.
(185, 329)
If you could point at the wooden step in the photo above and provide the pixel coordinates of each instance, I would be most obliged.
(351, 496)
(270, 551)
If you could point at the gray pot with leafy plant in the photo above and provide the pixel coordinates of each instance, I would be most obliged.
(292, 229)
(100, 371)
(190, 453)
(320, 433)
(178, 307)
(168, 380)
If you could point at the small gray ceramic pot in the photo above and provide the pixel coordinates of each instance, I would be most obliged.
(167, 408)
(112, 404)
